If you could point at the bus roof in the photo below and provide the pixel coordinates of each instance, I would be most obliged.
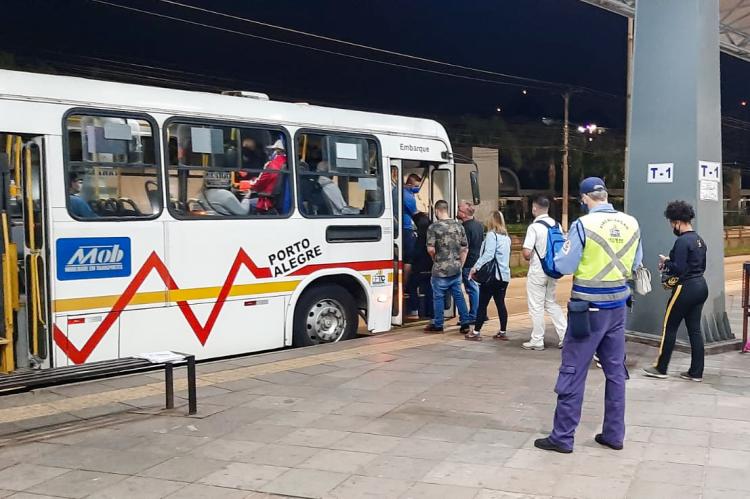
(74, 91)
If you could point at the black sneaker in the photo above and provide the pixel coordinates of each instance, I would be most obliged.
(686, 375)
(600, 440)
(429, 328)
(652, 372)
(547, 444)
(465, 328)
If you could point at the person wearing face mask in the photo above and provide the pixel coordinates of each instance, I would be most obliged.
(602, 251)
(684, 267)
(267, 180)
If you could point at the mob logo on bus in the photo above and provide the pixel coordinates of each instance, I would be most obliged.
(93, 258)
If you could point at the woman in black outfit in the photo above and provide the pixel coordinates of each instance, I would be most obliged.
(684, 269)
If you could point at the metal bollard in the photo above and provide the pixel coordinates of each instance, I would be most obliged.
(169, 385)
(192, 394)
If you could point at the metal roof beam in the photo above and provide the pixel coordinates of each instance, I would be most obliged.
(735, 40)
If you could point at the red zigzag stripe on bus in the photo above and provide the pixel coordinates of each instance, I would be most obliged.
(154, 263)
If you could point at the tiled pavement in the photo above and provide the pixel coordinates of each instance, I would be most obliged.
(403, 415)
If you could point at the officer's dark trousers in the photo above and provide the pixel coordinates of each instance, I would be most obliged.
(607, 340)
(685, 304)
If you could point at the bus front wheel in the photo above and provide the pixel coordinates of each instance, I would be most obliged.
(324, 314)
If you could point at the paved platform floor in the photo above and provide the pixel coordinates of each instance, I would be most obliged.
(402, 415)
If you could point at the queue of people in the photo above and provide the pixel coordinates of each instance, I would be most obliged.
(603, 253)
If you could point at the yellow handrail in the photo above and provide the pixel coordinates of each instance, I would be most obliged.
(17, 171)
(35, 298)
(7, 360)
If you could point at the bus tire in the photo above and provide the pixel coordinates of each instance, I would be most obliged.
(324, 314)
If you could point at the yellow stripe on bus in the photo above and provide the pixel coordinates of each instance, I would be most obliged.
(77, 304)
(152, 297)
(238, 290)
(147, 298)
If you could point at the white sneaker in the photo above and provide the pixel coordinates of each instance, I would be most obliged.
(532, 346)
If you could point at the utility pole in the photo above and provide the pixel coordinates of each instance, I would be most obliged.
(627, 104)
(565, 186)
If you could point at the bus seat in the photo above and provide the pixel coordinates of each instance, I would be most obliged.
(231, 158)
(373, 203)
(373, 208)
(152, 193)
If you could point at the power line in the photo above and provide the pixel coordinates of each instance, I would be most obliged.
(321, 50)
(363, 46)
(389, 52)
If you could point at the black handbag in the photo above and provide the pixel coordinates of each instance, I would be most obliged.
(489, 270)
(486, 272)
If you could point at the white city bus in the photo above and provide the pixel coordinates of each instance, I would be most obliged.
(138, 219)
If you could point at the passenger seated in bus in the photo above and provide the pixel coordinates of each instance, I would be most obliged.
(266, 182)
(217, 198)
(332, 193)
(76, 204)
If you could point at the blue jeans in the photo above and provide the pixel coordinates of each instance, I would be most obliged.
(472, 290)
(441, 285)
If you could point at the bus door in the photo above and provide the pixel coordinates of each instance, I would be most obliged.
(402, 270)
(25, 335)
(396, 193)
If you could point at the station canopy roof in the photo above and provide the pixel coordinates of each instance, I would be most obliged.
(734, 22)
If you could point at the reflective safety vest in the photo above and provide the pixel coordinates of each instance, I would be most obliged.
(610, 245)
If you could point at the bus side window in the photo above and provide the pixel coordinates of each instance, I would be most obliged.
(339, 176)
(227, 171)
(111, 170)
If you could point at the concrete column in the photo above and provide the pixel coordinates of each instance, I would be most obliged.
(676, 118)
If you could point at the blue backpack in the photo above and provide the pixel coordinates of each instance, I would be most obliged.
(555, 241)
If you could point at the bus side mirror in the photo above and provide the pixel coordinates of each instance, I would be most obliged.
(474, 179)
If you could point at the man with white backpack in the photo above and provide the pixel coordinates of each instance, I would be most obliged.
(541, 280)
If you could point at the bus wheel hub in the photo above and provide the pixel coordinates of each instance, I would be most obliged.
(326, 321)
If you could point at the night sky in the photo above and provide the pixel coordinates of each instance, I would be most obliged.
(563, 41)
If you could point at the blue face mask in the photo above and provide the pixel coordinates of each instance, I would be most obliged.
(414, 189)
(584, 208)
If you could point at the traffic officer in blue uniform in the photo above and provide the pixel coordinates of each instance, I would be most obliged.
(602, 250)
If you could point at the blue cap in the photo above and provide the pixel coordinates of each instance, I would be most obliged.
(592, 184)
